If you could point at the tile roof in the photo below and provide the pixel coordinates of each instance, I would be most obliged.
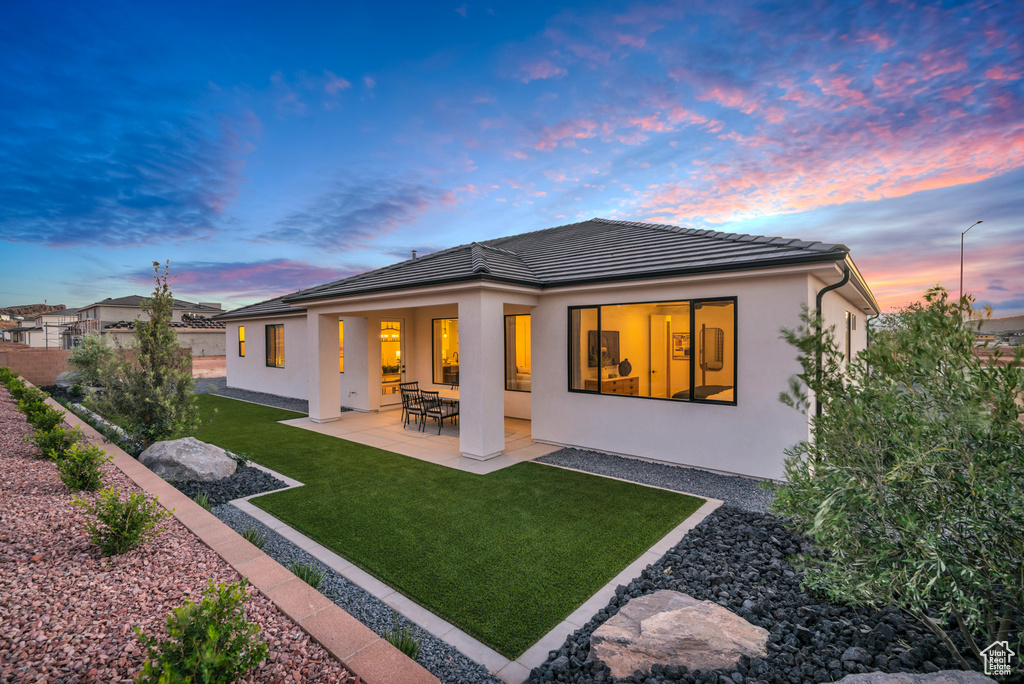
(136, 301)
(597, 250)
(187, 322)
(265, 308)
(593, 251)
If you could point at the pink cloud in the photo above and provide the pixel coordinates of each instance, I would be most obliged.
(335, 84)
(567, 130)
(999, 73)
(731, 97)
(540, 69)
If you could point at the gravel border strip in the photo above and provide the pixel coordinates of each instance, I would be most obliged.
(742, 492)
(443, 660)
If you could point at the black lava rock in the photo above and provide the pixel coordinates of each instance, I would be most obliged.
(739, 560)
(246, 481)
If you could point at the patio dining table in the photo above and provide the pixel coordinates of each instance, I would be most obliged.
(449, 395)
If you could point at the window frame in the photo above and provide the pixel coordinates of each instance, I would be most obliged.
(504, 334)
(693, 366)
(267, 333)
(341, 346)
(433, 350)
(241, 341)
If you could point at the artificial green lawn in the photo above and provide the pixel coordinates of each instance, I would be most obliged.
(504, 556)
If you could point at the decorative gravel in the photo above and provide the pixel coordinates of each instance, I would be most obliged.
(67, 613)
(246, 481)
(737, 559)
(741, 492)
(443, 660)
(209, 385)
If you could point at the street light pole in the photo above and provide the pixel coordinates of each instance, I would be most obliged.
(962, 257)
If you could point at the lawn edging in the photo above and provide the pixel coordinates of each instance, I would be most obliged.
(356, 646)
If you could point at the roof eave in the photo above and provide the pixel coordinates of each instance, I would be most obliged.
(816, 257)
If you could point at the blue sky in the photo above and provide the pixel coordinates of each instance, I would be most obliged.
(264, 148)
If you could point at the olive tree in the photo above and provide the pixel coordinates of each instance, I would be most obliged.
(913, 479)
(151, 391)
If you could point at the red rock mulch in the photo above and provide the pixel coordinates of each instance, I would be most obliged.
(67, 613)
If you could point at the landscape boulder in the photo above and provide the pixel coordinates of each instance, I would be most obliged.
(673, 629)
(188, 459)
(941, 677)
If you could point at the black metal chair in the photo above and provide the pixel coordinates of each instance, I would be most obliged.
(412, 403)
(437, 409)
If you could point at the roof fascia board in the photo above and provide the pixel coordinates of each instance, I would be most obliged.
(267, 314)
(429, 292)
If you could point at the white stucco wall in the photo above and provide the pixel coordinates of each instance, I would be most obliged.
(252, 373)
(748, 438)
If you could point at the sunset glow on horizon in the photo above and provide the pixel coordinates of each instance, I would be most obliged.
(263, 150)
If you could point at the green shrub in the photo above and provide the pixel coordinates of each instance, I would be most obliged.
(80, 467)
(313, 575)
(209, 642)
(120, 525)
(76, 391)
(203, 499)
(402, 638)
(54, 443)
(914, 477)
(255, 536)
(92, 359)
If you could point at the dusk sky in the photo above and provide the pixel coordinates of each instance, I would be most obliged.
(267, 147)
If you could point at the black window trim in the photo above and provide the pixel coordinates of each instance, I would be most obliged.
(266, 340)
(692, 301)
(504, 334)
(433, 349)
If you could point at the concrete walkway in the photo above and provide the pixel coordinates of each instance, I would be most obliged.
(385, 431)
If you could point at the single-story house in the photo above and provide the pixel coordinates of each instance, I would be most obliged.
(640, 339)
(115, 318)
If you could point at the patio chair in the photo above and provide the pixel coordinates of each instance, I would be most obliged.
(413, 386)
(412, 404)
(437, 409)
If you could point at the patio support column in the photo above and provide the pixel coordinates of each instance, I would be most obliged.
(481, 375)
(322, 357)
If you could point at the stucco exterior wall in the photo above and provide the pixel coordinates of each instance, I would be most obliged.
(203, 342)
(252, 372)
(748, 438)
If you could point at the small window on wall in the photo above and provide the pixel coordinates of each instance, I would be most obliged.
(275, 346)
(518, 362)
(851, 325)
(341, 346)
(676, 350)
(446, 351)
(241, 340)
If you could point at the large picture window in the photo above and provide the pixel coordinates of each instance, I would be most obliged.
(446, 351)
(241, 340)
(275, 346)
(677, 350)
(518, 361)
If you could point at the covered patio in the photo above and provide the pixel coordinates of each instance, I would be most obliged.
(453, 339)
(385, 430)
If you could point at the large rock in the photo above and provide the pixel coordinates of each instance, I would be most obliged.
(187, 459)
(941, 677)
(671, 628)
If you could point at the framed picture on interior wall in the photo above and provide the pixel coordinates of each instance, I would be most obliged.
(607, 351)
(680, 346)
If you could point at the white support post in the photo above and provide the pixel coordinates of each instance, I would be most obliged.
(322, 355)
(481, 375)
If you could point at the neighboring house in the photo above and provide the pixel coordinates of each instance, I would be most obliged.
(640, 339)
(116, 318)
(44, 330)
